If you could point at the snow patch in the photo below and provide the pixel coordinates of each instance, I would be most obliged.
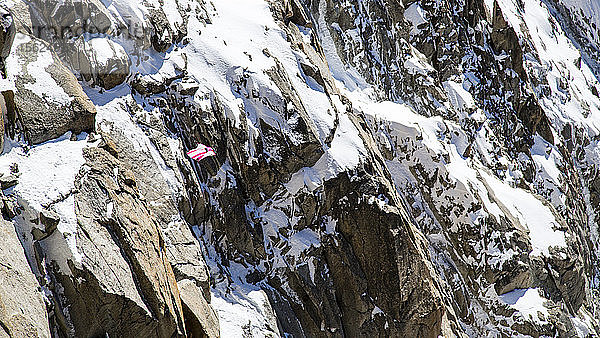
(528, 302)
(415, 15)
(531, 213)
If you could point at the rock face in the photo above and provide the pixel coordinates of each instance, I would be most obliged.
(43, 117)
(111, 215)
(69, 18)
(22, 308)
(379, 234)
(383, 168)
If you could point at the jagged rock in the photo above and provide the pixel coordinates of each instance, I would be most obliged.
(21, 13)
(9, 206)
(162, 35)
(139, 171)
(425, 239)
(535, 119)
(8, 181)
(47, 114)
(200, 319)
(504, 38)
(380, 234)
(146, 86)
(101, 61)
(49, 219)
(22, 308)
(293, 11)
(48, 222)
(7, 36)
(9, 114)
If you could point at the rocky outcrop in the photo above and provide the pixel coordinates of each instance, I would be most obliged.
(505, 39)
(124, 275)
(7, 36)
(100, 61)
(22, 307)
(387, 33)
(64, 19)
(182, 249)
(42, 115)
(200, 318)
(378, 234)
(162, 36)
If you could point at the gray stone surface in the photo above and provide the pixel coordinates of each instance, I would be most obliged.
(22, 306)
(100, 61)
(44, 117)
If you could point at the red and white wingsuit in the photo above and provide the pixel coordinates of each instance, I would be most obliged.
(200, 152)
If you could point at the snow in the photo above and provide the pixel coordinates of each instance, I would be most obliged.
(557, 62)
(580, 327)
(417, 64)
(220, 53)
(512, 13)
(106, 50)
(345, 152)
(528, 302)
(129, 13)
(44, 85)
(350, 77)
(47, 171)
(102, 48)
(215, 58)
(303, 240)
(244, 311)
(546, 158)
(232, 46)
(458, 96)
(406, 119)
(46, 180)
(588, 12)
(376, 311)
(415, 15)
(489, 8)
(531, 213)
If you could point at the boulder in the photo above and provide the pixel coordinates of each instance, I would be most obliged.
(144, 85)
(101, 62)
(48, 222)
(22, 308)
(49, 100)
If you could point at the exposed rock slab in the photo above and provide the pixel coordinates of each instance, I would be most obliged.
(126, 278)
(22, 306)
